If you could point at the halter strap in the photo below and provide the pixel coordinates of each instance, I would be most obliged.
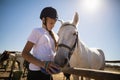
(70, 49)
(63, 45)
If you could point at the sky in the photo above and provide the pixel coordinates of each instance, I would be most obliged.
(99, 22)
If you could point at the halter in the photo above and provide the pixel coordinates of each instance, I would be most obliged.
(71, 49)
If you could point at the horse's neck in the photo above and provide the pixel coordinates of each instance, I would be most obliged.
(81, 50)
(80, 56)
(81, 47)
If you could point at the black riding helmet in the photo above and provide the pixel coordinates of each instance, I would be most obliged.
(49, 12)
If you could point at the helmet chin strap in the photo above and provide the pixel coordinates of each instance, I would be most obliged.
(45, 23)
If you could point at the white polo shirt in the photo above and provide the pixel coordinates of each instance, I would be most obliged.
(44, 48)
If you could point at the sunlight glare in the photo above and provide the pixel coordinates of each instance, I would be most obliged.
(91, 5)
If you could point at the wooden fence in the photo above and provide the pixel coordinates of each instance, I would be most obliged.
(95, 74)
(91, 73)
(113, 61)
(13, 75)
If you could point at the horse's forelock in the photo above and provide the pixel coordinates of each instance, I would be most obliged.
(65, 24)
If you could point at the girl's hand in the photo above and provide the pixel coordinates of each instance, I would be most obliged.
(51, 68)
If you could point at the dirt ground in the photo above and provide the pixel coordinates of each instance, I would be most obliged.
(55, 77)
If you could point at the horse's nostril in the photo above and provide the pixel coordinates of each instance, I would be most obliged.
(65, 62)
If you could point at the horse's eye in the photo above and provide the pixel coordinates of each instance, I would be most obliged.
(74, 33)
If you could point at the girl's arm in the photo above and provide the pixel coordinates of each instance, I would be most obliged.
(50, 67)
(27, 56)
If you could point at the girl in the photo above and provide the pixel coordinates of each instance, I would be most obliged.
(43, 41)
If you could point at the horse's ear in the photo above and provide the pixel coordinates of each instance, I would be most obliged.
(76, 18)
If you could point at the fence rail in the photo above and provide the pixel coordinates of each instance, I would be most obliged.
(115, 61)
(94, 74)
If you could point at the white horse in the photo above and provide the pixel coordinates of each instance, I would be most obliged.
(72, 51)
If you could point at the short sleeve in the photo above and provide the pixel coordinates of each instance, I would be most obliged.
(34, 36)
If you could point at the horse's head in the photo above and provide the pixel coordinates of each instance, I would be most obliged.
(68, 38)
(4, 56)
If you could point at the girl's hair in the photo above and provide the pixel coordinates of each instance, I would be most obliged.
(52, 35)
